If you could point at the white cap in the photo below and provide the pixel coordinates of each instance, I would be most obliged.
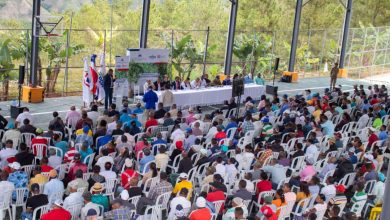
(372, 129)
(125, 195)
(15, 165)
(369, 157)
(201, 202)
(128, 162)
(73, 185)
(183, 176)
(203, 151)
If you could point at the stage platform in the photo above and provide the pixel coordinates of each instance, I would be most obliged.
(43, 111)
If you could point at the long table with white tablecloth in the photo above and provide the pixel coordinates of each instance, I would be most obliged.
(213, 95)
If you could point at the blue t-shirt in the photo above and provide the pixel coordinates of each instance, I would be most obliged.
(63, 145)
(328, 128)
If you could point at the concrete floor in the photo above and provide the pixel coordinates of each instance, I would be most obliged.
(43, 111)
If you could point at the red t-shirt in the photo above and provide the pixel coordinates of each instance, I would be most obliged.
(39, 140)
(151, 122)
(126, 176)
(200, 214)
(263, 186)
(75, 167)
(46, 168)
(372, 139)
(57, 214)
(216, 196)
(220, 135)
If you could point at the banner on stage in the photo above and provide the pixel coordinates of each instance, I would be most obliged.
(142, 55)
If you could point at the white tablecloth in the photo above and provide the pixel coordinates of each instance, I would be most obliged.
(212, 96)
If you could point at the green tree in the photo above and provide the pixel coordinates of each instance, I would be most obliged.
(57, 53)
(6, 65)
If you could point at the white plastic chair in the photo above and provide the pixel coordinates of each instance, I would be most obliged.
(39, 150)
(5, 204)
(55, 196)
(42, 209)
(27, 138)
(110, 187)
(348, 180)
(231, 132)
(369, 186)
(261, 196)
(20, 200)
(301, 207)
(86, 176)
(28, 169)
(217, 204)
(89, 160)
(58, 151)
(75, 210)
(134, 200)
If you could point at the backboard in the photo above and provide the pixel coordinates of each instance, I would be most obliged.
(48, 26)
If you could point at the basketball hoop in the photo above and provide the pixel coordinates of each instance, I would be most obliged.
(48, 26)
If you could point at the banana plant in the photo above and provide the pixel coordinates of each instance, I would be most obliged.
(56, 52)
(6, 66)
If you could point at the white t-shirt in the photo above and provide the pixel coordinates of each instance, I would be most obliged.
(6, 153)
(329, 190)
(176, 134)
(108, 174)
(311, 151)
(379, 191)
(103, 160)
(183, 202)
(23, 116)
(220, 169)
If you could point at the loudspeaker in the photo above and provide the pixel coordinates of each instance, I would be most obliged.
(238, 87)
(21, 75)
(271, 90)
(276, 66)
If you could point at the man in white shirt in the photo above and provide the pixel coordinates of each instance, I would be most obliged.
(277, 172)
(212, 132)
(162, 158)
(112, 126)
(196, 83)
(186, 85)
(107, 173)
(5, 185)
(147, 84)
(231, 170)
(182, 200)
(311, 150)
(248, 157)
(177, 133)
(220, 168)
(329, 190)
(74, 196)
(54, 160)
(26, 114)
(94, 115)
(104, 159)
(363, 120)
(378, 191)
(11, 134)
(6, 153)
(88, 205)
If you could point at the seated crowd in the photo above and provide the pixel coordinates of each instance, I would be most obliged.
(304, 157)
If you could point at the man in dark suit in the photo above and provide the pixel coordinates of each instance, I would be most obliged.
(176, 85)
(159, 85)
(108, 84)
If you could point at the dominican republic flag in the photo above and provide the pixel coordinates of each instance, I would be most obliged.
(94, 75)
(100, 94)
(87, 95)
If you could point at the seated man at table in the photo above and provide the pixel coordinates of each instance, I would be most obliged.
(216, 81)
(227, 81)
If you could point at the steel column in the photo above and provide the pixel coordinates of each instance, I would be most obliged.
(294, 41)
(143, 37)
(206, 45)
(230, 39)
(347, 20)
(35, 43)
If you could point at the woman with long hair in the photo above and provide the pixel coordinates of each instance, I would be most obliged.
(279, 200)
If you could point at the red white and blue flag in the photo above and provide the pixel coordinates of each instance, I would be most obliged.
(93, 74)
(87, 95)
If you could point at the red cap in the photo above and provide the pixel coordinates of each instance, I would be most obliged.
(340, 188)
(179, 145)
(266, 210)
